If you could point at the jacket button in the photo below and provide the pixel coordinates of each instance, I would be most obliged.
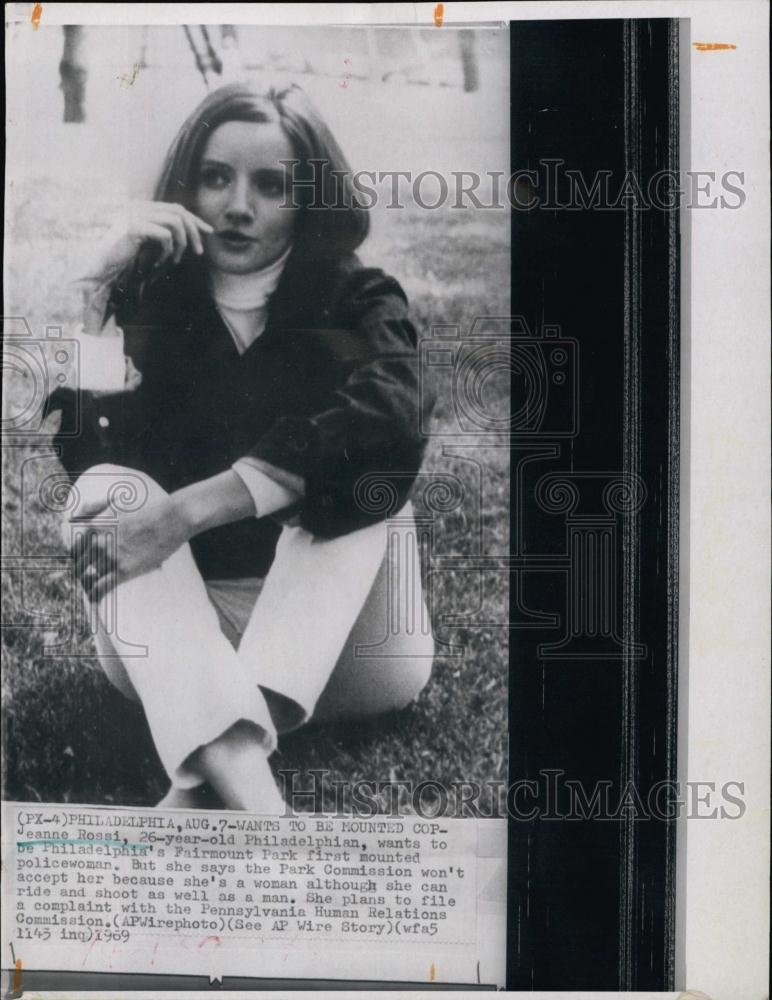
(104, 422)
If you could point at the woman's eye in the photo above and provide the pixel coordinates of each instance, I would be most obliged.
(270, 185)
(214, 178)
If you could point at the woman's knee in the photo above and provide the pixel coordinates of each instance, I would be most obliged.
(367, 686)
(108, 485)
(410, 674)
(118, 484)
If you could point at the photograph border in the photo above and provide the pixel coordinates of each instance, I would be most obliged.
(723, 953)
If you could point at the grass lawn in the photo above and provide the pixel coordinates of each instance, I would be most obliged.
(69, 736)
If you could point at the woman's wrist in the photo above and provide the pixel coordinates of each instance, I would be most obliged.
(95, 297)
(210, 503)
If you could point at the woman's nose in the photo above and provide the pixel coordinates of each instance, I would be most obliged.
(240, 205)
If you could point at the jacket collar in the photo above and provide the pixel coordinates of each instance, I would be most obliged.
(299, 301)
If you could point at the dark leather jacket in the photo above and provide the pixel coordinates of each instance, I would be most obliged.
(328, 392)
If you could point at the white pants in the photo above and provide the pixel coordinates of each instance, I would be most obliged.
(309, 641)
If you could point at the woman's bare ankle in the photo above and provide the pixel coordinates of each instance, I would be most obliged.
(236, 766)
(200, 797)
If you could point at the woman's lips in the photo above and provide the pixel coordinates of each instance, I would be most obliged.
(234, 240)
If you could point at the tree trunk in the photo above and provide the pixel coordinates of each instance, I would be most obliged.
(468, 52)
(230, 54)
(73, 72)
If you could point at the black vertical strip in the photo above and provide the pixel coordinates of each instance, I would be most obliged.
(631, 463)
(591, 902)
(651, 451)
(654, 125)
(673, 495)
(567, 273)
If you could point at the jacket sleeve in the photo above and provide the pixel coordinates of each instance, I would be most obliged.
(359, 453)
(271, 489)
(102, 370)
(102, 364)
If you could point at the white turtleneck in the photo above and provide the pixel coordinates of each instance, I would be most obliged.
(242, 301)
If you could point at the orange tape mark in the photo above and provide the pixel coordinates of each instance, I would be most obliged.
(37, 13)
(713, 46)
(18, 975)
(439, 14)
(432, 973)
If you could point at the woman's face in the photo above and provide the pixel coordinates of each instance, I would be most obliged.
(240, 192)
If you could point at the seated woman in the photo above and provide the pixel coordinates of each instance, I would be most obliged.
(248, 397)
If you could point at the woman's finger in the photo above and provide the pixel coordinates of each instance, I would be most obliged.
(185, 226)
(91, 552)
(191, 232)
(194, 234)
(199, 222)
(94, 576)
(89, 508)
(89, 580)
(176, 226)
(195, 227)
(175, 218)
(103, 586)
(81, 553)
(87, 567)
(159, 234)
(203, 226)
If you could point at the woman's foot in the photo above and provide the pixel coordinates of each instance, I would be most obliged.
(200, 797)
(236, 766)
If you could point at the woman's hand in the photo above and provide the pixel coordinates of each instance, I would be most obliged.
(168, 227)
(111, 550)
(122, 544)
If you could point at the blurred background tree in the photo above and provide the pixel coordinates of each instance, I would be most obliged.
(222, 53)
